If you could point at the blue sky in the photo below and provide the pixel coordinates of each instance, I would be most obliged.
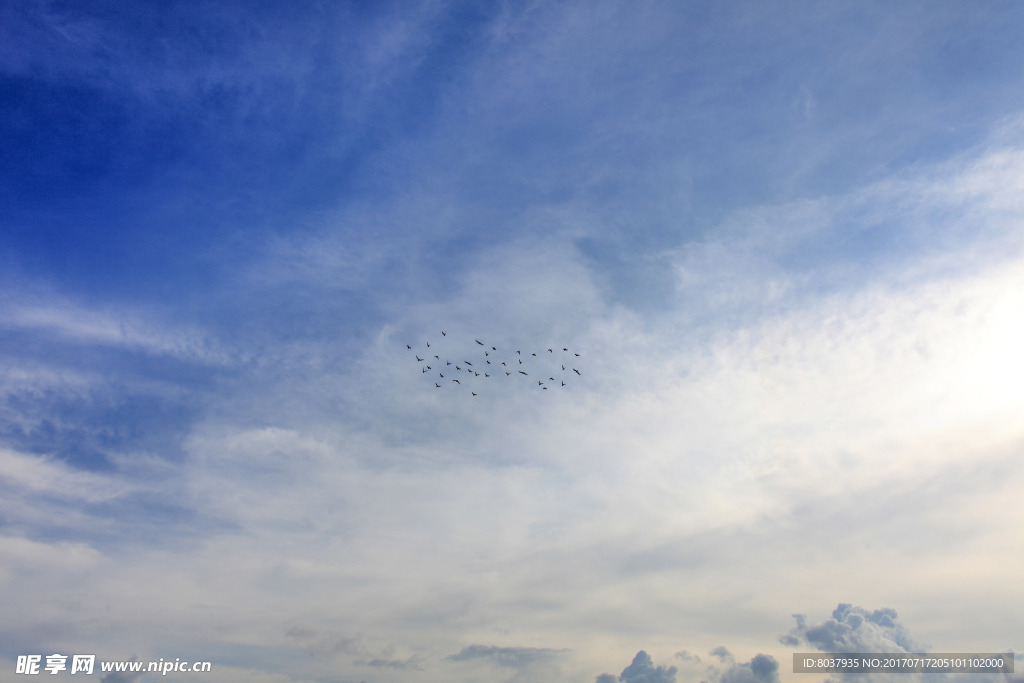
(785, 238)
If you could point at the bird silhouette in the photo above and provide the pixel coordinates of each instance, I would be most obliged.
(443, 333)
(576, 371)
(457, 381)
(407, 346)
(467, 362)
(479, 342)
(419, 359)
(521, 372)
(437, 385)
(473, 392)
(550, 351)
(428, 345)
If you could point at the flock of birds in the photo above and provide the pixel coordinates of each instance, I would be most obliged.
(480, 363)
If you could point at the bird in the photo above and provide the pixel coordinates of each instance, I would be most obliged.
(488, 362)
(473, 392)
(577, 355)
(550, 351)
(508, 373)
(551, 378)
(565, 349)
(443, 333)
(407, 346)
(563, 367)
(437, 385)
(563, 384)
(539, 383)
(424, 370)
(457, 381)
(428, 367)
(494, 348)
(486, 375)
(517, 351)
(479, 342)
(544, 388)
(457, 367)
(467, 362)
(576, 371)
(419, 359)
(448, 362)
(503, 363)
(442, 376)
(533, 354)
(521, 372)
(428, 345)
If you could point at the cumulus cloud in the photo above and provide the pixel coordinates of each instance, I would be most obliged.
(760, 669)
(642, 670)
(854, 629)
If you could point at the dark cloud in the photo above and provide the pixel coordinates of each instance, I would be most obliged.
(641, 670)
(513, 657)
(760, 669)
(854, 629)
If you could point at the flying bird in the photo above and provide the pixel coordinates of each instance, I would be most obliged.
(419, 359)
(576, 371)
(443, 333)
(521, 372)
(437, 385)
(550, 351)
(407, 346)
(457, 381)
(479, 342)
(467, 362)
(473, 392)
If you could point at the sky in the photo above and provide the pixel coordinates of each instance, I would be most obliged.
(786, 240)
